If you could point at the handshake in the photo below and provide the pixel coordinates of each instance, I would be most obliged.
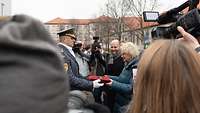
(99, 81)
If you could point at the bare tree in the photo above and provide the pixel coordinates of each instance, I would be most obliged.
(137, 7)
(111, 23)
(120, 12)
(117, 10)
(82, 30)
(102, 28)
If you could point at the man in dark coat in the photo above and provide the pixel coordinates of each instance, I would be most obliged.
(77, 82)
(115, 65)
(115, 62)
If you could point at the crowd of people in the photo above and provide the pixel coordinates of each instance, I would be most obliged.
(39, 75)
(118, 65)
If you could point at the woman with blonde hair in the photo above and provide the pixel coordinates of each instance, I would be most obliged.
(168, 78)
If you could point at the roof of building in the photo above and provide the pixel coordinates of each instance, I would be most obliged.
(131, 22)
(59, 20)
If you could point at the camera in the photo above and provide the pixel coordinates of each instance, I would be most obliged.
(170, 20)
(96, 45)
(77, 47)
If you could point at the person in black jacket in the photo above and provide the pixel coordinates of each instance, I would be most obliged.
(115, 65)
(97, 60)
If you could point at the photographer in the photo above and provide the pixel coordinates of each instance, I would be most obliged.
(81, 58)
(97, 60)
(97, 65)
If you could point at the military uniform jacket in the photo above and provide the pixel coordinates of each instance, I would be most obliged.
(77, 82)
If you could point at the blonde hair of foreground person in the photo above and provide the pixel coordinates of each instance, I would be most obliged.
(168, 79)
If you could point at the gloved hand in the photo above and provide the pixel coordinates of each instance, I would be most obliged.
(97, 84)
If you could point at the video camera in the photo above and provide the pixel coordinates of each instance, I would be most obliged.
(77, 47)
(171, 19)
(96, 45)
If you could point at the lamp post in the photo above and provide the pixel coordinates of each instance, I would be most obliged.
(2, 9)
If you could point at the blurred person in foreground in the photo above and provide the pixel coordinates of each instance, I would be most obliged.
(32, 75)
(122, 84)
(115, 65)
(77, 82)
(168, 77)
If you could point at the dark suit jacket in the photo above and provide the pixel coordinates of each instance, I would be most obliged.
(77, 82)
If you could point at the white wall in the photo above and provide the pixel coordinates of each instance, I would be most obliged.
(5, 7)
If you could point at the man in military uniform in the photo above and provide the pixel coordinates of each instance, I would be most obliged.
(77, 82)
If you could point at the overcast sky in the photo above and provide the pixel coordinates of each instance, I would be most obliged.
(46, 10)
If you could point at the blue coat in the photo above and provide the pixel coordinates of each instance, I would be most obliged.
(77, 82)
(122, 85)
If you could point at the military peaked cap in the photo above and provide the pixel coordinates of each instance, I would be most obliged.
(68, 32)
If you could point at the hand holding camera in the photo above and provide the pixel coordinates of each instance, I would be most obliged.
(172, 18)
(188, 38)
